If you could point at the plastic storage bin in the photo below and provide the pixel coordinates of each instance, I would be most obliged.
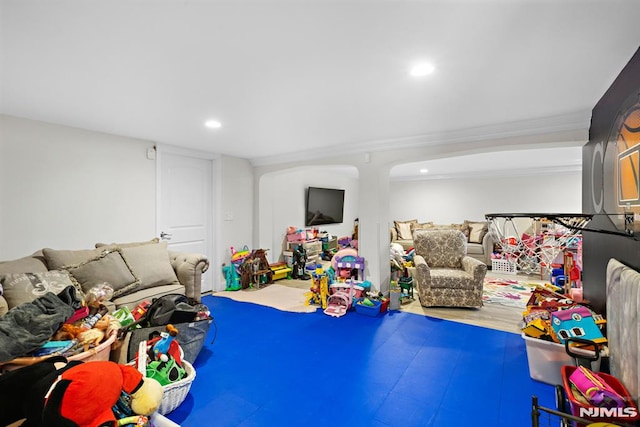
(369, 311)
(546, 360)
(99, 353)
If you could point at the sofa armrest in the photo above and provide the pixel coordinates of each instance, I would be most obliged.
(487, 246)
(422, 271)
(393, 234)
(189, 269)
(475, 267)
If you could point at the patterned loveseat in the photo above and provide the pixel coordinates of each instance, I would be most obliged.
(445, 275)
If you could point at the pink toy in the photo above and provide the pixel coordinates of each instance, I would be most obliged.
(338, 304)
(595, 389)
(345, 261)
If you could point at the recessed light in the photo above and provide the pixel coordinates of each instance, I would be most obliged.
(213, 124)
(422, 69)
(424, 170)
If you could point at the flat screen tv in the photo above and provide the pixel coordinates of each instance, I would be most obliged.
(324, 206)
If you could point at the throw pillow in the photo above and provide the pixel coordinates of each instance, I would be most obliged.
(26, 287)
(110, 268)
(149, 262)
(56, 259)
(403, 229)
(464, 227)
(129, 244)
(421, 226)
(477, 231)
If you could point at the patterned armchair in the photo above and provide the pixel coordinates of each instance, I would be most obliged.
(445, 275)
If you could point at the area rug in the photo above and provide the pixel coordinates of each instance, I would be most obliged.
(281, 297)
(510, 292)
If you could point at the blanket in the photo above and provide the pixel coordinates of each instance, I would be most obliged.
(27, 327)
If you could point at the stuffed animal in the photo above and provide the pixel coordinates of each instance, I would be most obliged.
(54, 394)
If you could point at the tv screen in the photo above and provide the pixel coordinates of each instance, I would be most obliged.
(324, 206)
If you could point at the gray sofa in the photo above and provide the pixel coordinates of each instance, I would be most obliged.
(481, 248)
(136, 271)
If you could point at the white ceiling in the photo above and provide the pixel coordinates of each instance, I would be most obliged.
(302, 76)
(541, 161)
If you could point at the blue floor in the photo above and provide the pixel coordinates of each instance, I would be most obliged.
(272, 368)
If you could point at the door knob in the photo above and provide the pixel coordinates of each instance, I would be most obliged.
(165, 236)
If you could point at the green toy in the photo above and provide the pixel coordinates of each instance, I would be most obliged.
(165, 370)
(232, 277)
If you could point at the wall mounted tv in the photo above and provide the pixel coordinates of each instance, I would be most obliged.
(324, 206)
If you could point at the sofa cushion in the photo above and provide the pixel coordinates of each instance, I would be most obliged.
(453, 279)
(129, 244)
(149, 261)
(420, 226)
(464, 227)
(56, 259)
(19, 288)
(109, 267)
(133, 299)
(477, 231)
(29, 264)
(475, 249)
(404, 228)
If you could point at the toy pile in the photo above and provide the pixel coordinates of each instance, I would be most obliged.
(90, 325)
(161, 357)
(233, 272)
(552, 316)
(55, 393)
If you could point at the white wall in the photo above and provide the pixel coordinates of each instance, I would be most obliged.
(236, 207)
(282, 202)
(66, 188)
(454, 200)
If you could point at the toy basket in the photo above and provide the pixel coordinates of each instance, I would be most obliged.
(576, 405)
(369, 311)
(503, 266)
(175, 393)
(101, 352)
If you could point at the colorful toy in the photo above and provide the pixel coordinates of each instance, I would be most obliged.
(280, 270)
(338, 304)
(576, 322)
(595, 389)
(406, 284)
(165, 370)
(348, 264)
(56, 394)
(299, 263)
(255, 270)
(141, 309)
(319, 291)
(238, 257)
(232, 278)
(166, 341)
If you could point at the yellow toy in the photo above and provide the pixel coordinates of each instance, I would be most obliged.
(319, 291)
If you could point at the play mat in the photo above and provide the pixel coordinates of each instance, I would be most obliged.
(513, 293)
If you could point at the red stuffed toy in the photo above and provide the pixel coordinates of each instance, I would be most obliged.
(82, 394)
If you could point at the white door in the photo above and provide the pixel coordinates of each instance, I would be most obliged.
(185, 205)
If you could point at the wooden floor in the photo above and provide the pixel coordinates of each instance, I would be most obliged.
(493, 316)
